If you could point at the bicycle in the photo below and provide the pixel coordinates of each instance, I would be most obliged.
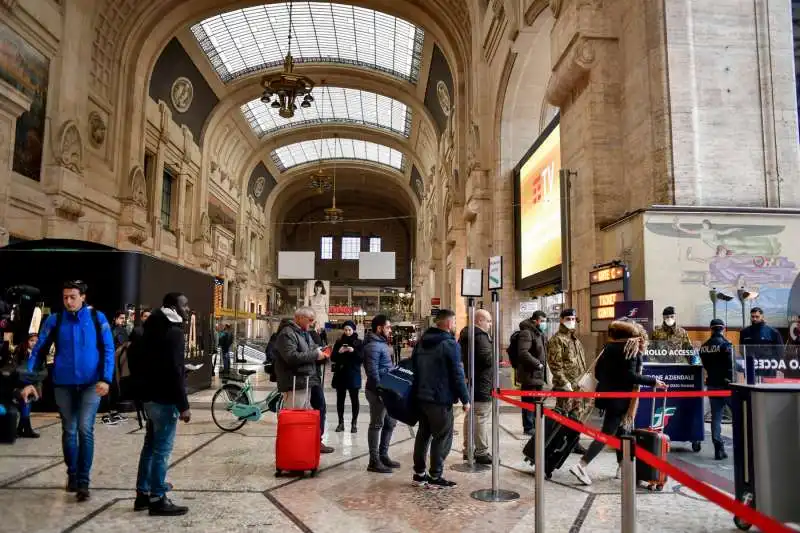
(235, 402)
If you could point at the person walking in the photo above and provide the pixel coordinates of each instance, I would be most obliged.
(377, 362)
(531, 371)
(482, 404)
(296, 364)
(438, 383)
(21, 356)
(161, 384)
(83, 368)
(347, 358)
(618, 370)
(718, 360)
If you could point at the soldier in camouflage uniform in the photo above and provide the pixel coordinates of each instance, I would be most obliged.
(567, 361)
(670, 337)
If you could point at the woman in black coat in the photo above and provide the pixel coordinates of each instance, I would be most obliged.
(618, 370)
(347, 360)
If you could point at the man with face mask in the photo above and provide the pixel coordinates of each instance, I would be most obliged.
(672, 339)
(532, 361)
(567, 362)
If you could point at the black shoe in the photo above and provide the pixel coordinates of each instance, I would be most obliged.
(485, 459)
(72, 485)
(325, 449)
(142, 501)
(528, 433)
(388, 462)
(83, 494)
(378, 467)
(440, 483)
(719, 452)
(340, 427)
(25, 431)
(353, 428)
(164, 507)
(419, 480)
(578, 449)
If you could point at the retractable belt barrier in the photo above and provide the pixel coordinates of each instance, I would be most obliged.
(765, 523)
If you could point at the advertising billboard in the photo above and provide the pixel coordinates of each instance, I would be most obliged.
(537, 207)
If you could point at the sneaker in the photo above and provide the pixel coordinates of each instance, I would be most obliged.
(419, 480)
(579, 471)
(484, 459)
(72, 485)
(378, 467)
(83, 494)
(323, 448)
(618, 475)
(340, 427)
(164, 507)
(388, 462)
(440, 483)
(142, 501)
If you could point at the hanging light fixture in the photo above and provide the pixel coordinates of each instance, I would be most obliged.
(333, 214)
(319, 180)
(282, 90)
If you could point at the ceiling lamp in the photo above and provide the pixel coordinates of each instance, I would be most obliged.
(333, 214)
(319, 180)
(282, 90)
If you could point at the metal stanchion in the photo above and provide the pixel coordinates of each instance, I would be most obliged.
(539, 462)
(495, 494)
(470, 466)
(628, 485)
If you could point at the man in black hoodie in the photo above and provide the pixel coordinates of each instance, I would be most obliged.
(161, 384)
(438, 384)
(531, 361)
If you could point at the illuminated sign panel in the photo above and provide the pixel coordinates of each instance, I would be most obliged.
(607, 287)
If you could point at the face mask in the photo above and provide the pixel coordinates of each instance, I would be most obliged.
(570, 325)
(542, 326)
(670, 322)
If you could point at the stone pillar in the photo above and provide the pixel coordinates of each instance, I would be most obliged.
(12, 104)
(158, 176)
(181, 231)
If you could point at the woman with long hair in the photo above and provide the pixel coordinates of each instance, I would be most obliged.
(347, 360)
(619, 369)
(21, 354)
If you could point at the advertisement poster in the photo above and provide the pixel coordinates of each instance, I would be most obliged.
(638, 311)
(318, 297)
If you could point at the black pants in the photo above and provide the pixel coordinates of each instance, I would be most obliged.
(317, 401)
(612, 425)
(435, 430)
(341, 395)
(528, 416)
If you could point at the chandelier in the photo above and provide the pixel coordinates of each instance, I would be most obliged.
(333, 214)
(282, 90)
(320, 181)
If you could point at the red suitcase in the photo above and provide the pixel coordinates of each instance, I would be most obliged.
(298, 441)
(655, 441)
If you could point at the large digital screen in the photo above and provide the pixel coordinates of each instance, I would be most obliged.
(537, 202)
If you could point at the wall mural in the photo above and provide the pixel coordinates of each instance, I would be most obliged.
(689, 254)
(439, 95)
(28, 71)
(417, 184)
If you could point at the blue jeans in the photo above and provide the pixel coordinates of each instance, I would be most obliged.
(159, 438)
(78, 408)
(717, 405)
(24, 411)
(226, 360)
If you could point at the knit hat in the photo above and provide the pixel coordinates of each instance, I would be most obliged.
(717, 323)
(349, 323)
(669, 310)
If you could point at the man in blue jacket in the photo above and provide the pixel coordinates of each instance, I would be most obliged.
(82, 372)
(761, 343)
(377, 362)
(439, 383)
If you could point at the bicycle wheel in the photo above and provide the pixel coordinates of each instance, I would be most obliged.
(221, 405)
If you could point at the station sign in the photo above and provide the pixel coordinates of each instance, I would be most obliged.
(607, 286)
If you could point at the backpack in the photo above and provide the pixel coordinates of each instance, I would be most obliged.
(98, 331)
(513, 349)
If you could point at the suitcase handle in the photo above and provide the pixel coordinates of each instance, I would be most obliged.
(307, 401)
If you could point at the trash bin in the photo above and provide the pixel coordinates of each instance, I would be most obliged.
(766, 439)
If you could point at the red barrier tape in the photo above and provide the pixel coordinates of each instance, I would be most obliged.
(763, 522)
(647, 394)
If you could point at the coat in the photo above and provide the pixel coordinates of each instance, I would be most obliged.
(531, 356)
(162, 369)
(483, 362)
(296, 359)
(438, 372)
(347, 365)
(566, 359)
(616, 373)
(717, 357)
(377, 359)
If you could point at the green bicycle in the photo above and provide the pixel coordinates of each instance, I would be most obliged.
(233, 404)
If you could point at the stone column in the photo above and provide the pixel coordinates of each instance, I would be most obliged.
(158, 176)
(12, 104)
(181, 231)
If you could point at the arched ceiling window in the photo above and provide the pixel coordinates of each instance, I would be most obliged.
(334, 104)
(247, 40)
(301, 152)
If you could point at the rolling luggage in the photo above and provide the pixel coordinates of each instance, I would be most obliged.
(558, 444)
(8, 424)
(655, 441)
(298, 442)
(395, 392)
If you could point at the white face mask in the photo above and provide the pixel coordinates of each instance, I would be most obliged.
(570, 325)
(669, 321)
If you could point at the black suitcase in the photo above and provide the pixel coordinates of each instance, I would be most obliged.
(8, 425)
(558, 444)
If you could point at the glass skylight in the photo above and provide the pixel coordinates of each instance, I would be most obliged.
(295, 154)
(251, 39)
(334, 104)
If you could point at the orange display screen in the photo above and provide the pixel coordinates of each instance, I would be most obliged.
(540, 208)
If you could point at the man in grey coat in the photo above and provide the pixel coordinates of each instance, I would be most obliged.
(295, 366)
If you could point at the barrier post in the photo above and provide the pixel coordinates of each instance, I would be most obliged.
(495, 494)
(628, 484)
(539, 462)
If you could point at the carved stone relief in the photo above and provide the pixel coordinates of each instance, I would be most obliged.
(182, 94)
(205, 227)
(70, 147)
(138, 187)
(68, 209)
(97, 129)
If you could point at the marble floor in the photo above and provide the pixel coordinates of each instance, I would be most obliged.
(227, 480)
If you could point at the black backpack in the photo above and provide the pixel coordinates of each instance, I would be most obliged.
(98, 331)
(513, 349)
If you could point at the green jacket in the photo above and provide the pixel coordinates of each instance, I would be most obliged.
(672, 340)
(566, 358)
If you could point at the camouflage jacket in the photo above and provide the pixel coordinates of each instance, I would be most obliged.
(566, 358)
(669, 345)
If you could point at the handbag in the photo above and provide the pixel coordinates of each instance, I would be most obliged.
(587, 382)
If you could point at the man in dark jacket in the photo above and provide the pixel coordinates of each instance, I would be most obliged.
(296, 366)
(531, 361)
(160, 359)
(760, 342)
(377, 362)
(718, 360)
(225, 344)
(82, 372)
(438, 384)
(483, 383)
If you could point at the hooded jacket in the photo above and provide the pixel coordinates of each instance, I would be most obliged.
(532, 356)
(377, 359)
(483, 362)
(438, 374)
(296, 358)
(162, 360)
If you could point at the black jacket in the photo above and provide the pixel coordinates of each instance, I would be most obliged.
(616, 373)
(438, 374)
(347, 365)
(296, 358)
(717, 356)
(531, 356)
(483, 362)
(161, 375)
